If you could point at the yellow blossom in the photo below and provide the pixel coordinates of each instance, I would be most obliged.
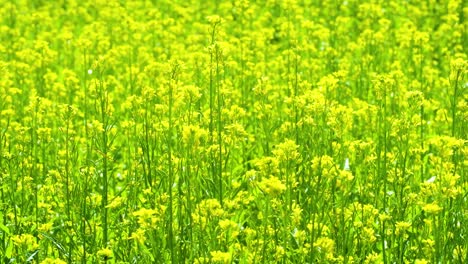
(220, 257)
(105, 253)
(272, 186)
(402, 227)
(432, 208)
(52, 261)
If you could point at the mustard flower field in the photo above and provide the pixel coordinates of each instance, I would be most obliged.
(295, 131)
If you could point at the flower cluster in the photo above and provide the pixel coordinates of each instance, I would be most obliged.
(233, 131)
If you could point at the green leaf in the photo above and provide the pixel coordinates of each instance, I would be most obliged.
(5, 229)
(9, 250)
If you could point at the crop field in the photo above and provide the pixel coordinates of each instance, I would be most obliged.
(295, 131)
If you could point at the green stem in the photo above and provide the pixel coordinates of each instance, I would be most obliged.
(220, 156)
(88, 156)
(67, 180)
(454, 103)
(104, 148)
(170, 167)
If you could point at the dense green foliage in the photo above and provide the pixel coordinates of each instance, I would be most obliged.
(233, 132)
